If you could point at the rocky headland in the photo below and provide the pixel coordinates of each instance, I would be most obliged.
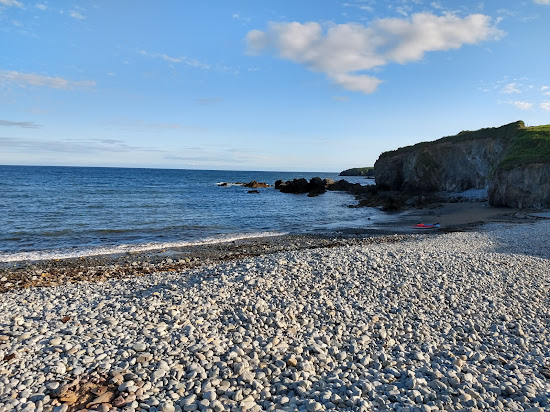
(507, 166)
(511, 163)
(359, 171)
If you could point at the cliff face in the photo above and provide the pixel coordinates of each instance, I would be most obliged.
(469, 160)
(522, 186)
(451, 167)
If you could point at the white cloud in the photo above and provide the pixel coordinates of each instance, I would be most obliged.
(511, 88)
(30, 79)
(545, 106)
(10, 3)
(41, 6)
(357, 83)
(341, 51)
(76, 15)
(547, 2)
(522, 105)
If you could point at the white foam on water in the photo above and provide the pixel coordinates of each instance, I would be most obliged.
(228, 184)
(116, 249)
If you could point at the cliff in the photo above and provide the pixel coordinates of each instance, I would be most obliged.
(511, 162)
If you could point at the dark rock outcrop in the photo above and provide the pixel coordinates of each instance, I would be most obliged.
(314, 187)
(295, 186)
(341, 186)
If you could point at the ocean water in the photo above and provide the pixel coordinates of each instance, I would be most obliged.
(48, 212)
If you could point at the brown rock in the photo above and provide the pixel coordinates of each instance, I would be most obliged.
(119, 402)
(254, 184)
(9, 357)
(69, 397)
(105, 398)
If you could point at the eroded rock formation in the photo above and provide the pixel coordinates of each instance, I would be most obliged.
(473, 160)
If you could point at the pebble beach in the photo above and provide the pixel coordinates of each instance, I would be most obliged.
(432, 322)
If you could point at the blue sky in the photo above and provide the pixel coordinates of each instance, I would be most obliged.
(261, 85)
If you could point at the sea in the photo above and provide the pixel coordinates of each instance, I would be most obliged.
(60, 212)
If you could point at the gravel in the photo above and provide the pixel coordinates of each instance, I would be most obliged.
(458, 321)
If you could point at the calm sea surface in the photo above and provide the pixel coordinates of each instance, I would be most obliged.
(69, 211)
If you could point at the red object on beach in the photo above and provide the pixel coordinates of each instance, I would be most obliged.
(426, 226)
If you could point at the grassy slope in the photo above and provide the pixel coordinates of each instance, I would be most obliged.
(503, 132)
(530, 145)
(525, 144)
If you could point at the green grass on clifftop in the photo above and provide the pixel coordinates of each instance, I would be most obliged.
(530, 145)
(505, 132)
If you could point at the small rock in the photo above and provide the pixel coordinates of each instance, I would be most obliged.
(139, 346)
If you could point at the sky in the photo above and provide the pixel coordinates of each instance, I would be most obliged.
(261, 85)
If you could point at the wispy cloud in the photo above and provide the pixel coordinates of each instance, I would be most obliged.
(533, 94)
(177, 59)
(201, 159)
(71, 145)
(545, 106)
(140, 125)
(365, 5)
(76, 15)
(543, 2)
(343, 51)
(26, 125)
(11, 3)
(522, 105)
(237, 16)
(511, 88)
(190, 62)
(37, 80)
(40, 6)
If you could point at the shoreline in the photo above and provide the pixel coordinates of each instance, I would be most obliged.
(101, 268)
(453, 217)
